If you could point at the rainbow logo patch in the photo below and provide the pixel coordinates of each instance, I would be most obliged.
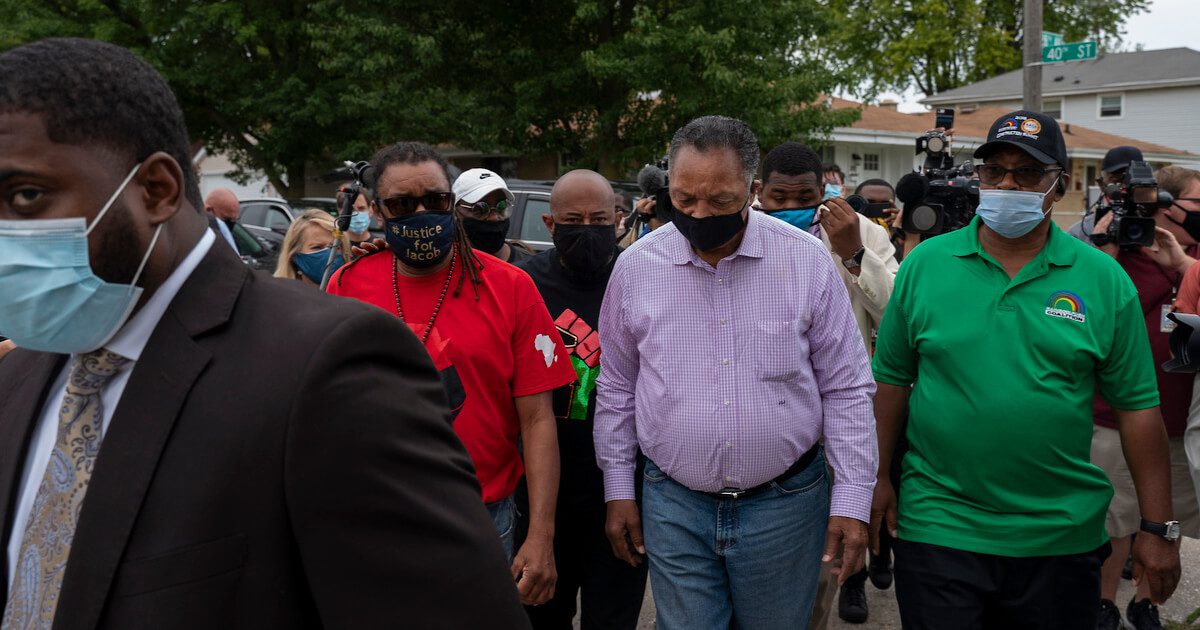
(1066, 305)
(1011, 123)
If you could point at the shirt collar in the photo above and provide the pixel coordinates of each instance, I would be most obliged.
(131, 340)
(1057, 250)
(752, 247)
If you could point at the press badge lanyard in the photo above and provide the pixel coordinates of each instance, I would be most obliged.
(1165, 324)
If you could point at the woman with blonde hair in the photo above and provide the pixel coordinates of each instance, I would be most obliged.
(305, 249)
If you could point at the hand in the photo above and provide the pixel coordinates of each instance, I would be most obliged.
(883, 512)
(624, 529)
(1156, 560)
(1101, 227)
(6, 346)
(534, 571)
(644, 206)
(840, 223)
(1167, 251)
(851, 535)
(368, 247)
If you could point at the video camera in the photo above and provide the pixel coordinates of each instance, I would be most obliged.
(941, 197)
(1133, 203)
(654, 182)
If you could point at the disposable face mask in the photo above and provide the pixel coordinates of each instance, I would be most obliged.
(833, 190)
(50, 298)
(1012, 213)
(360, 222)
(799, 217)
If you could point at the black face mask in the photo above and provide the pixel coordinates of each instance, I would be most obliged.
(584, 249)
(487, 236)
(710, 232)
(1190, 223)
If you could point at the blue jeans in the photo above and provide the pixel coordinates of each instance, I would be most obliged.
(749, 563)
(504, 517)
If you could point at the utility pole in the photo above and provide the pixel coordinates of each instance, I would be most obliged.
(1033, 55)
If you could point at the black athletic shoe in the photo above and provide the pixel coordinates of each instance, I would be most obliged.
(880, 572)
(852, 603)
(1143, 615)
(1110, 616)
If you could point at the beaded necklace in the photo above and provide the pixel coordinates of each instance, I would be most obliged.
(441, 298)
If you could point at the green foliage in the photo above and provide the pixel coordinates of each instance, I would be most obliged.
(937, 45)
(283, 86)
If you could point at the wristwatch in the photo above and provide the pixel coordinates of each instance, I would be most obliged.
(1168, 530)
(1101, 239)
(856, 259)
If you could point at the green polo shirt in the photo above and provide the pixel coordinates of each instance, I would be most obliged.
(1003, 373)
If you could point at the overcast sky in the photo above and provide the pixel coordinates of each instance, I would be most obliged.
(1167, 24)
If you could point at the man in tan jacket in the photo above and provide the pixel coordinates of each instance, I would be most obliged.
(792, 191)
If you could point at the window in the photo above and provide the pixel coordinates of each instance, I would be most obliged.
(255, 215)
(278, 219)
(828, 155)
(870, 161)
(1053, 108)
(1111, 105)
(532, 227)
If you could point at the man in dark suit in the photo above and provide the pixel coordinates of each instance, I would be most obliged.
(186, 444)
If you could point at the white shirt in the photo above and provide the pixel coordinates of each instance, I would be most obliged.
(129, 342)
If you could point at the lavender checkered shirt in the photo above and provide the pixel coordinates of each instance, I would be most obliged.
(724, 377)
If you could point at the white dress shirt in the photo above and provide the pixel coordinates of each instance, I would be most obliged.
(871, 289)
(129, 342)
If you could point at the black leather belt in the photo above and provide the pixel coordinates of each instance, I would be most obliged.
(804, 462)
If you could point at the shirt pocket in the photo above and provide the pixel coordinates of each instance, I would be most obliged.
(776, 350)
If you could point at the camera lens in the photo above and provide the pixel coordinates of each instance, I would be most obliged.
(937, 144)
(924, 218)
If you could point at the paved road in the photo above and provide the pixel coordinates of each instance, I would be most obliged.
(885, 616)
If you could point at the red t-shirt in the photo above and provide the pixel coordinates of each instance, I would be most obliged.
(1155, 287)
(488, 351)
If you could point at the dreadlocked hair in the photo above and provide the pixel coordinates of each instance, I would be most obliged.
(419, 153)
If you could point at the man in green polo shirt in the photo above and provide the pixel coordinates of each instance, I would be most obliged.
(994, 341)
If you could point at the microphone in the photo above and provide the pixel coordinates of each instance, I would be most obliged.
(650, 179)
(912, 188)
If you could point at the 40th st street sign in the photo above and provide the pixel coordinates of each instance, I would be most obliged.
(1078, 51)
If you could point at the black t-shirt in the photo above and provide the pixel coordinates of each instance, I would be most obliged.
(575, 309)
(518, 254)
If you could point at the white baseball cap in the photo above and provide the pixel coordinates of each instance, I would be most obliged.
(476, 183)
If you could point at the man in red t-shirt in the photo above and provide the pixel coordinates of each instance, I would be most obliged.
(1156, 272)
(489, 334)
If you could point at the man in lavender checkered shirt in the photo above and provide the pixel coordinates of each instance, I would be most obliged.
(730, 351)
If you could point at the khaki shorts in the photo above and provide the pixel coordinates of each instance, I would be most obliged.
(1123, 516)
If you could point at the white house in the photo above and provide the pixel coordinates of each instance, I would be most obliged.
(1153, 95)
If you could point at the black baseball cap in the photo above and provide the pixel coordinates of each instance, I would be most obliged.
(1033, 132)
(1119, 158)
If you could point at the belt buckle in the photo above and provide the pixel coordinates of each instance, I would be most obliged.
(731, 493)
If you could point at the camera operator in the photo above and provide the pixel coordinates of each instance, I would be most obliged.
(880, 192)
(1156, 272)
(1115, 163)
(1003, 513)
(361, 221)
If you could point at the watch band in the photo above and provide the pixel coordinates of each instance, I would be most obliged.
(855, 260)
(1168, 530)
(1101, 239)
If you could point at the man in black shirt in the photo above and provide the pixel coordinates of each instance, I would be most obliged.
(572, 277)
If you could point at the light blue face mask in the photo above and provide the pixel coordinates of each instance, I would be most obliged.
(833, 190)
(1012, 213)
(50, 299)
(799, 217)
(360, 222)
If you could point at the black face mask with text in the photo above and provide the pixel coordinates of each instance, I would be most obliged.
(584, 249)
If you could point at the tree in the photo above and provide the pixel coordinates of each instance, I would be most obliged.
(284, 87)
(937, 45)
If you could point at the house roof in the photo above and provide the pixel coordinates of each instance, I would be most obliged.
(1110, 71)
(971, 129)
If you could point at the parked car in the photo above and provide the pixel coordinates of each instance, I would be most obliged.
(533, 200)
(259, 251)
(328, 204)
(266, 215)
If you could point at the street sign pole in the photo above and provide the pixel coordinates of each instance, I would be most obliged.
(1033, 57)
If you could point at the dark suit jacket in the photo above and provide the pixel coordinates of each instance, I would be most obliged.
(279, 459)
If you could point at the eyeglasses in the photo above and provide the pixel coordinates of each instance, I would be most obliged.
(481, 209)
(1025, 176)
(404, 205)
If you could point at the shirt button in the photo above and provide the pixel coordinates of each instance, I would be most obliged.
(728, 478)
(720, 280)
(729, 445)
(724, 361)
(726, 403)
(722, 321)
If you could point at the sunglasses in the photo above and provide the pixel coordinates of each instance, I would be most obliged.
(404, 205)
(1025, 176)
(481, 209)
